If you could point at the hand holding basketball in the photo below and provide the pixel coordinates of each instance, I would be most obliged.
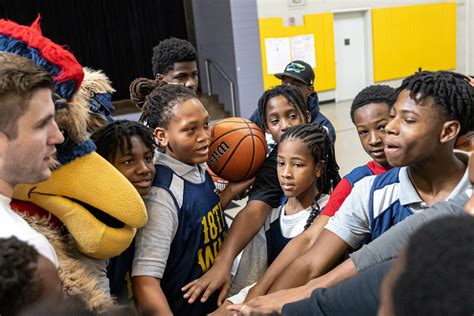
(237, 150)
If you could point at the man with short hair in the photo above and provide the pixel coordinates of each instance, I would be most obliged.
(174, 60)
(28, 136)
(301, 75)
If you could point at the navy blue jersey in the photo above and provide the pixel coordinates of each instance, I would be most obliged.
(199, 236)
(119, 271)
(357, 174)
(381, 217)
(275, 240)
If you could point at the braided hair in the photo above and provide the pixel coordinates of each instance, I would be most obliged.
(117, 136)
(291, 93)
(170, 51)
(19, 287)
(157, 99)
(451, 92)
(373, 94)
(317, 140)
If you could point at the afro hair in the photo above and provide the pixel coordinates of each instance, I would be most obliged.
(171, 51)
(373, 94)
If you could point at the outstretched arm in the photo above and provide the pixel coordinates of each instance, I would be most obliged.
(149, 296)
(295, 249)
(264, 195)
(245, 225)
(328, 248)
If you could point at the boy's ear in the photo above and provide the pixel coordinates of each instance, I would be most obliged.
(159, 78)
(161, 136)
(450, 131)
(308, 117)
(3, 143)
(266, 129)
(318, 169)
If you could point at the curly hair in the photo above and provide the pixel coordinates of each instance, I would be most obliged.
(18, 285)
(317, 140)
(373, 94)
(291, 93)
(438, 276)
(451, 92)
(171, 51)
(118, 136)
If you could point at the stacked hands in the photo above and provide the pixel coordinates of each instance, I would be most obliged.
(257, 303)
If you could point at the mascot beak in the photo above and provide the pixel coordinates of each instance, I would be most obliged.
(98, 205)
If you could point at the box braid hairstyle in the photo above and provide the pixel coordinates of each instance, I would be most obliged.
(118, 136)
(292, 94)
(317, 140)
(169, 52)
(373, 94)
(451, 92)
(157, 100)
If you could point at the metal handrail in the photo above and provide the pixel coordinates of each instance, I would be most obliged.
(223, 74)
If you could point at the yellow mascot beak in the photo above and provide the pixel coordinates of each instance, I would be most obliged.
(98, 205)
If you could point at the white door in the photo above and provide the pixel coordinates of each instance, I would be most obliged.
(350, 45)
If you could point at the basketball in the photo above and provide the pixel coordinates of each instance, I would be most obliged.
(238, 149)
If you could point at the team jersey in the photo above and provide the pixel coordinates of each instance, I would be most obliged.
(196, 243)
(344, 187)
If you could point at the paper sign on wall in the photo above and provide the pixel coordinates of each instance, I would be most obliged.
(302, 48)
(281, 51)
(278, 54)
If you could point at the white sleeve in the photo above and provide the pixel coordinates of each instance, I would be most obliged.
(239, 298)
(153, 241)
(352, 222)
(44, 248)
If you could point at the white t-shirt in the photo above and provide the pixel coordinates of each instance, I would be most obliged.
(11, 224)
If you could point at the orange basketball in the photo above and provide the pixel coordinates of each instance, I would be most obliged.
(238, 148)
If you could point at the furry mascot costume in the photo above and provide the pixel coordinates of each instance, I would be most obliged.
(92, 209)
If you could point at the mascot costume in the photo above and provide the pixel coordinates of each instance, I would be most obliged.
(87, 209)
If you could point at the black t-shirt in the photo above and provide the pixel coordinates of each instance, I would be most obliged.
(266, 187)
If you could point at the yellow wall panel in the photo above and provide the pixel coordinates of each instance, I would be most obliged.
(321, 26)
(407, 38)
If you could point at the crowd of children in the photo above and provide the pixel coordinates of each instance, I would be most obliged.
(304, 231)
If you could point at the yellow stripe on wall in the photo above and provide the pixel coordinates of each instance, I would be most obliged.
(407, 38)
(322, 26)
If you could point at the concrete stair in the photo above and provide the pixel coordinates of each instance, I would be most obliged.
(214, 107)
(123, 107)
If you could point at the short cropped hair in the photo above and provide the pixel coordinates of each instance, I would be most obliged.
(19, 78)
(18, 286)
(171, 51)
(438, 277)
(373, 94)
